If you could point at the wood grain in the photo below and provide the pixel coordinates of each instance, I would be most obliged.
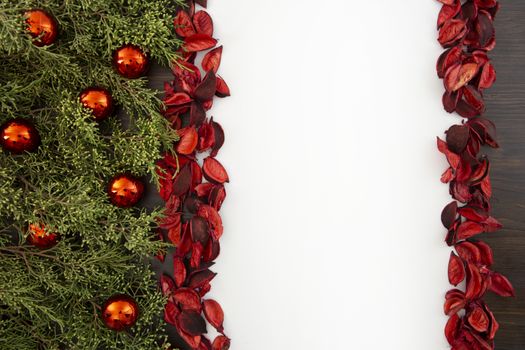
(506, 107)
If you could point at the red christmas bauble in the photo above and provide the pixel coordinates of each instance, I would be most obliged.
(40, 238)
(120, 312)
(98, 100)
(130, 61)
(125, 190)
(41, 25)
(19, 135)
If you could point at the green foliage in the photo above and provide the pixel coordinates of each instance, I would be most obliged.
(51, 299)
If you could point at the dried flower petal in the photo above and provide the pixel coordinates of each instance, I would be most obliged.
(203, 23)
(206, 90)
(214, 314)
(456, 270)
(221, 343)
(199, 42)
(187, 299)
(191, 322)
(501, 285)
(179, 271)
(212, 60)
(214, 171)
(183, 25)
(478, 319)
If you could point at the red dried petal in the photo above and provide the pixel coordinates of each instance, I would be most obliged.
(454, 301)
(177, 99)
(214, 171)
(187, 299)
(179, 271)
(222, 88)
(474, 282)
(486, 255)
(485, 29)
(221, 343)
(488, 76)
(448, 59)
(203, 3)
(473, 214)
(214, 314)
(469, 229)
(197, 114)
(218, 133)
(188, 141)
(451, 100)
(182, 182)
(166, 285)
(199, 229)
(448, 12)
(452, 329)
(183, 25)
(474, 100)
(449, 214)
(187, 75)
(501, 285)
(196, 254)
(478, 319)
(217, 196)
(456, 270)
(206, 89)
(170, 313)
(203, 23)
(469, 252)
(204, 189)
(191, 322)
(213, 219)
(199, 42)
(206, 137)
(201, 278)
(460, 75)
(457, 138)
(451, 32)
(453, 159)
(212, 60)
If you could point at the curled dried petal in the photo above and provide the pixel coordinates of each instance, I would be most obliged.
(212, 60)
(501, 285)
(199, 42)
(203, 23)
(214, 314)
(214, 171)
(456, 270)
(183, 25)
(221, 343)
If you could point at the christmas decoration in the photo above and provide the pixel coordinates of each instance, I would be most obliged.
(18, 136)
(130, 61)
(98, 100)
(51, 297)
(42, 26)
(466, 30)
(40, 238)
(192, 221)
(125, 190)
(120, 312)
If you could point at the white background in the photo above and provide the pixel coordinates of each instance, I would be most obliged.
(332, 233)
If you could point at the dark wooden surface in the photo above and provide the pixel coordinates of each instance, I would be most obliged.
(506, 107)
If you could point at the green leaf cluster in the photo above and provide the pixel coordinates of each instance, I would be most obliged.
(51, 299)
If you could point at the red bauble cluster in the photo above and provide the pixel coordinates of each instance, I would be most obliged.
(18, 136)
(120, 312)
(40, 238)
(466, 30)
(42, 26)
(192, 221)
(98, 100)
(130, 61)
(125, 190)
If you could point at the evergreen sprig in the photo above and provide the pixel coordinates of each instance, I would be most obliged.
(51, 299)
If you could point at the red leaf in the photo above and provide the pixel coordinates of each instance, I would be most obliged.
(177, 99)
(199, 42)
(170, 313)
(179, 271)
(451, 32)
(456, 270)
(203, 23)
(188, 141)
(187, 299)
(501, 285)
(221, 343)
(206, 89)
(214, 314)
(478, 319)
(214, 171)
(212, 60)
(183, 25)
(222, 88)
(191, 322)
(469, 229)
(452, 328)
(449, 214)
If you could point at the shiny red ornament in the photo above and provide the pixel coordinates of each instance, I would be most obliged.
(98, 100)
(120, 312)
(40, 238)
(130, 61)
(42, 26)
(18, 136)
(125, 190)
